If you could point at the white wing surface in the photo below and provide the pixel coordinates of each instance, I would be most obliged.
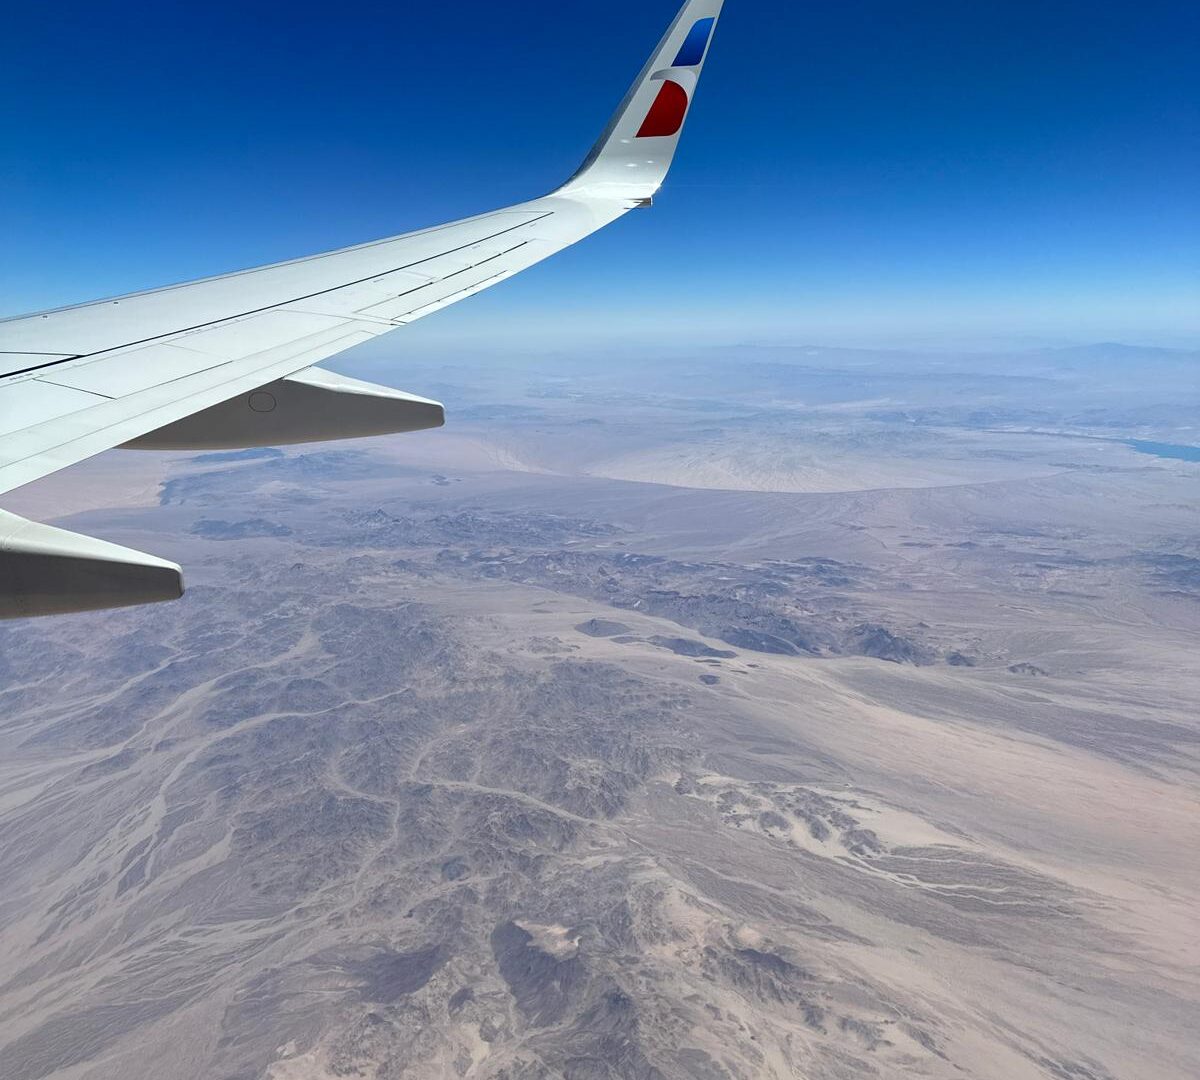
(230, 361)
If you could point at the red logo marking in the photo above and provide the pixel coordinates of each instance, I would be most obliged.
(666, 114)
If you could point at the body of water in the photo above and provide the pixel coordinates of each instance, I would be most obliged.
(1165, 450)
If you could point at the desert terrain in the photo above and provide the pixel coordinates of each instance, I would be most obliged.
(774, 713)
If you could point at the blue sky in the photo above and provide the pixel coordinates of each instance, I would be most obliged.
(858, 171)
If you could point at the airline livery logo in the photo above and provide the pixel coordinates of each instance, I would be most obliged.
(696, 44)
(665, 117)
(667, 114)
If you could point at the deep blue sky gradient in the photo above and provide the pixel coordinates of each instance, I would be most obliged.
(853, 171)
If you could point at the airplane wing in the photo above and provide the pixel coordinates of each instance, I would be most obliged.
(230, 362)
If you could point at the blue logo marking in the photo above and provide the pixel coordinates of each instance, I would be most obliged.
(696, 44)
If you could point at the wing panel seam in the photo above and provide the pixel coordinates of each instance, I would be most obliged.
(283, 303)
(64, 386)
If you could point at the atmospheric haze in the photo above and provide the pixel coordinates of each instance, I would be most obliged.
(759, 714)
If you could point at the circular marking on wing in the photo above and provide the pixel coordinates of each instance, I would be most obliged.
(262, 402)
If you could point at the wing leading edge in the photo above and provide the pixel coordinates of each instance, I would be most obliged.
(231, 360)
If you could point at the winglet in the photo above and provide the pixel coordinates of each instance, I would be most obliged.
(631, 159)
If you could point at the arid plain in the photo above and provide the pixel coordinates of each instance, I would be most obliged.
(788, 714)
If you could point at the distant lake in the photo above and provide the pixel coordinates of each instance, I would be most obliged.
(1165, 450)
(1173, 451)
